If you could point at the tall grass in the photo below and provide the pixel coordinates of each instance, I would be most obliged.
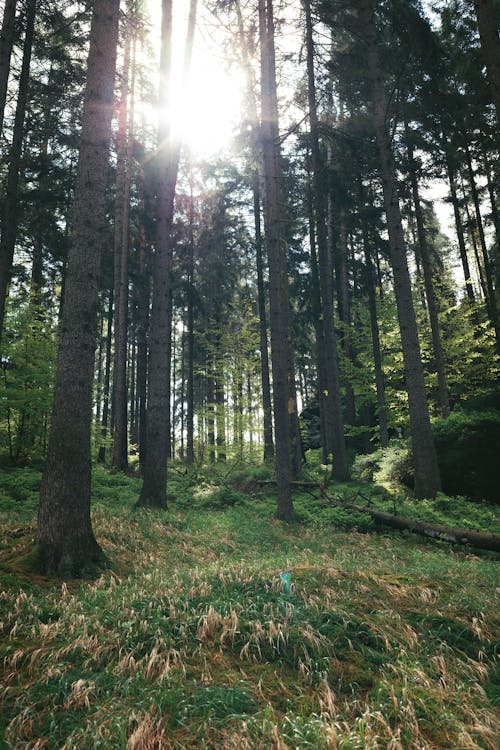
(190, 641)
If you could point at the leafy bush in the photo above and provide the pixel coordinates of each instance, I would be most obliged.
(391, 465)
(366, 465)
(467, 447)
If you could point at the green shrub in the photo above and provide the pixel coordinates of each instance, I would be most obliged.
(395, 465)
(467, 444)
(366, 465)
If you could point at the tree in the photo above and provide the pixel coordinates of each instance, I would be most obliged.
(9, 218)
(65, 536)
(331, 400)
(153, 491)
(488, 19)
(427, 481)
(275, 243)
(6, 41)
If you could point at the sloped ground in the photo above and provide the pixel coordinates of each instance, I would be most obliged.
(189, 640)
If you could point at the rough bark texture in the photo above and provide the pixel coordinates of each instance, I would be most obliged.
(121, 242)
(6, 41)
(491, 302)
(332, 402)
(458, 224)
(9, 218)
(65, 536)
(432, 305)
(153, 491)
(375, 332)
(278, 288)
(261, 299)
(427, 479)
(487, 21)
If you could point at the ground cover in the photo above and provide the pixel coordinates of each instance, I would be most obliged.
(189, 640)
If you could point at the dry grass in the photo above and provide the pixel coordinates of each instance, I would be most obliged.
(189, 641)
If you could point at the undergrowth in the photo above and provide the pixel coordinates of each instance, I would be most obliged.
(191, 641)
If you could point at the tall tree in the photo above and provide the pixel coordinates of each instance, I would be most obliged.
(153, 491)
(331, 401)
(9, 218)
(65, 536)
(488, 21)
(276, 252)
(427, 479)
(6, 42)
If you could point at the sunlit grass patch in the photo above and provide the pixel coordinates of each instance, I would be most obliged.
(190, 640)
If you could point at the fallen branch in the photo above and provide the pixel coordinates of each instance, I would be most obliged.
(479, 539)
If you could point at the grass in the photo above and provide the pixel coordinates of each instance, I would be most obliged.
(189, 641)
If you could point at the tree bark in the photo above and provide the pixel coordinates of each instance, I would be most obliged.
(9, 218)
(332, 400)
(491, 302)
(261, 300)
(459, 225)
(6, 41)
(374, 327)
(121, 242)
(153, 491)
(275, 242)
(487, 22)
(432, 306)
(65, 536)
(427, 479)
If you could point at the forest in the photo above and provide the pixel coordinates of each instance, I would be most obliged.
(250, 368)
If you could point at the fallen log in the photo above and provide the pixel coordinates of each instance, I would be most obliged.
(479, 539)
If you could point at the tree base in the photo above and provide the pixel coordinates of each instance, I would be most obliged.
(61, 561)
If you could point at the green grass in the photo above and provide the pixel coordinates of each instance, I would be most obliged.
(189, 641)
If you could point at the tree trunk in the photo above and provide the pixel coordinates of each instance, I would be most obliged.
(65, 537)
(374, 327)
(261, 299)
(190, 335)
(432, 306)
(6, 41)
(491, 303)
(333, 410)
(458, 225)
(121, 242)
(153, 491)
(9, 218)
(278, 287)
(487, 22)
(101, 457)
(427, 479)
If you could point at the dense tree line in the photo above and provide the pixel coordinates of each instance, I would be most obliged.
(159, 308)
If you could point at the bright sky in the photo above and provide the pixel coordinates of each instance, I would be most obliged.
(206, 113)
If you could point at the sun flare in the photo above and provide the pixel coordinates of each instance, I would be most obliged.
(205, 111)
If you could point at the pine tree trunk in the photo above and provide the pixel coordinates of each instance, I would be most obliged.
(121, 241)
(427, 479)
(101, 456)
(261, 299)
(332, 402)
(153, 491)
(374, 327)
(65, 537)
(432, 307)
(491, 302)
(6, 41)
(10, 208)
(488, 21)
(190, 337)
(459, 226)
(278, 288)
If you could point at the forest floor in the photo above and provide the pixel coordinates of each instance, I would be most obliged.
(189, 640)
